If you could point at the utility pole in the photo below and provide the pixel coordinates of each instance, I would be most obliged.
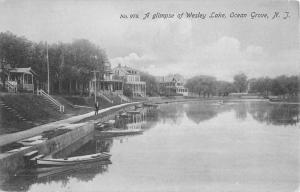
(48, 69)
(95, 89)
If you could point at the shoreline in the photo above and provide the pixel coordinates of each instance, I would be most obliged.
(13, 137)
(81, 126)
(83, 118)
(173, 100)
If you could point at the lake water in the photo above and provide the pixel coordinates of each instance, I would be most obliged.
(194, 146)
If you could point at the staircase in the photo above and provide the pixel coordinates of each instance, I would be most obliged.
(124, 98)
(15, 113)
(105, 97)
(51, 100)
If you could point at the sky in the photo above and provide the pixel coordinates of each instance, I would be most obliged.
(218, 47)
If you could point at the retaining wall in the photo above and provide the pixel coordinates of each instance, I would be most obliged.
(11, 162)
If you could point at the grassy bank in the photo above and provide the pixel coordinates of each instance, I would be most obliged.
(20, 112)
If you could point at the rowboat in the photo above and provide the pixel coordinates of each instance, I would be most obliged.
(118, 132)
(123, 131)
(134, 112)
(18, 149)
(33, 140)
(150, 105)
(60, 170)
(73, 160)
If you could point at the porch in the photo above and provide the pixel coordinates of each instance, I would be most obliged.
(19, 79)
(106, 86)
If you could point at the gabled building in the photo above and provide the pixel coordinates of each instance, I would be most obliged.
(172, 85)
(132, 81)
(18, 79)
(103, 81)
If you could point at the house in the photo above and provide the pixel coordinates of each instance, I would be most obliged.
(172, 85)
(18, 79)
(132, 81)
(104, 82)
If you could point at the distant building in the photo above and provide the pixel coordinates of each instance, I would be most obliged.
(131, 79)
(18, 79)
(172, 86)
(104, 82)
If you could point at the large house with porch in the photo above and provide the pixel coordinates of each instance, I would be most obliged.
(103, 82)
(132, 81)
(172, 85)
(18, 79)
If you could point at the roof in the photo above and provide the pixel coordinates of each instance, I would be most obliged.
(23, 70)
(127, 70)
(169, 79)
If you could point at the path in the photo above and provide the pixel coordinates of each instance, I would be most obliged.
(13, 137)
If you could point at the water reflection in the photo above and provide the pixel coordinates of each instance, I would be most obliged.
(90, 144)
(241, 110)
(276, 114)
(199, 112)
(264, 112)
(173, 114)
(25, 178)
(224, 148)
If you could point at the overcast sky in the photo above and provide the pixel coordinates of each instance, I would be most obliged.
(218, 47)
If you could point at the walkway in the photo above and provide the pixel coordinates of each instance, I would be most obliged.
(13, 137)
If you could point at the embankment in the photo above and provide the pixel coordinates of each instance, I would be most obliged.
(81, 126)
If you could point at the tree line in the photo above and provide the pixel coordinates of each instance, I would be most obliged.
(207, 86)
(282, 85)
(70, 64)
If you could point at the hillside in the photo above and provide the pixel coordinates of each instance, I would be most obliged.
(23, 111)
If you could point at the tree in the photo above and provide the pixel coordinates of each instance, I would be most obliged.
(261, 85)
(70, 63)
(240, 82)
(152, 86)
(17, 51)
(279, 85)
(223, 88)
(205, 85)
(292, 85)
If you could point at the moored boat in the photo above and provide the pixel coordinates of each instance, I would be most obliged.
(118, 132)
(150, 105)
(123, 131)
(33, 140)
(73, 160)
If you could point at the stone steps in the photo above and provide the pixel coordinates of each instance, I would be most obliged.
(13, 111)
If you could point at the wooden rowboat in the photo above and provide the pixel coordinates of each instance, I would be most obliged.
(73, 160)
(123, 131)
(60, 170)
(150, 105)
(118, 132)
(33, 140)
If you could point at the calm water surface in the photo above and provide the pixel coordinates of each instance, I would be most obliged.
(195, 146)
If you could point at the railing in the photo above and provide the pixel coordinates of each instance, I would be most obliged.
(105, 97)
(124, 98)
(55, 102)
(11, 86)
(28, 87)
